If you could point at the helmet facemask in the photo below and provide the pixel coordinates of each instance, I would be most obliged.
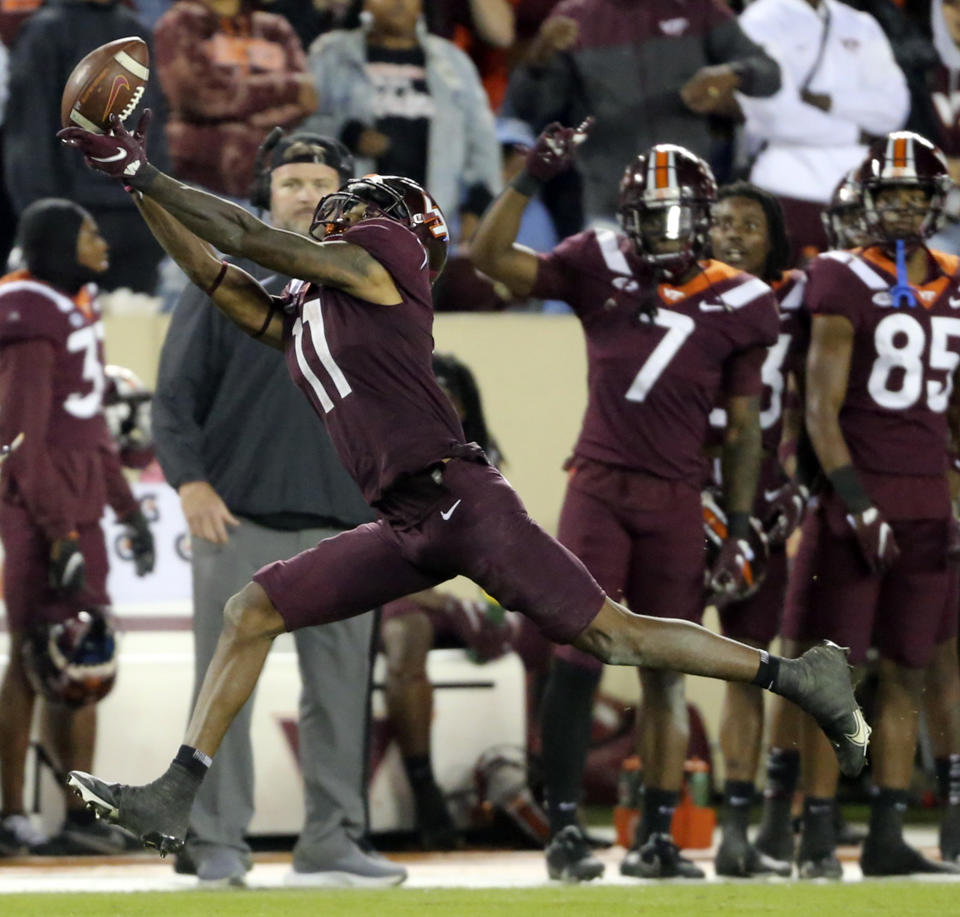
(334, 211)
(892, 220)
(670, 236)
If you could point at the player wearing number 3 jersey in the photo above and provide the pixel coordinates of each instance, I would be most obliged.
(669, 336)
(872, 569)
(357, 334)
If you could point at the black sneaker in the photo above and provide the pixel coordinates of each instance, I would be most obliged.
(157, 813)
(570, 858)
(819, 867)
(819, 683)
(775, 840)
(659, 858)
(435, 827)
(898, 859)
(95, 839)
(736, 856)
(10, 844)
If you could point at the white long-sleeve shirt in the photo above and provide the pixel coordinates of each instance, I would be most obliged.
(807, 150)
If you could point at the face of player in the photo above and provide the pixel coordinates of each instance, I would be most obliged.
(740, 235)
(335, 214)
(92, 249)
(394, 17)
(666, 230)
(951, 18)
(902, 210)
(295, 189)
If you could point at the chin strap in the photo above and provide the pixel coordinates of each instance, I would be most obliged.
(902, 290)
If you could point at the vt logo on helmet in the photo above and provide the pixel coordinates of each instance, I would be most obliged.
(905, 181)
(390, 196)
(665, 200)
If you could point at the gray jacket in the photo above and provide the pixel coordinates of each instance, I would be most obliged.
(227, 412)
(462, 148)
(631, 59)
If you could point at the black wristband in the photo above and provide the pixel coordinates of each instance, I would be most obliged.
(143, 178)
(526, 184)
(846, 485)
(738, 525)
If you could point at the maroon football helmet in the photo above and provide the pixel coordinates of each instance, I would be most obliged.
(396, 198)
(73, 662)
(844, 221)
(665, 200)
(904, 159)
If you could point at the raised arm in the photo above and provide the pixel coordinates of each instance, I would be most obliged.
(230, 228)
(493, 248)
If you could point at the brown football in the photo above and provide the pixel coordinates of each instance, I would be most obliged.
(109, 80)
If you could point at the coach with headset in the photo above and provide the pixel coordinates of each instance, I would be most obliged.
(258, 480)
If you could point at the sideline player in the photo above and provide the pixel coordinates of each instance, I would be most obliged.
(669, 334)
(52, 494)
(356, 330)
(873, 561)
(748, 233)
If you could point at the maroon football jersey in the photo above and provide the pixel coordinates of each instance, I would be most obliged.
(367, 369)
(782, 358)
(59, 472)
(904, 357)
(29, 310)
(654, 374)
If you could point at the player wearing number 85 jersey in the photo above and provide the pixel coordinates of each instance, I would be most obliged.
(873, 567)
(669, 335)
(357, 334)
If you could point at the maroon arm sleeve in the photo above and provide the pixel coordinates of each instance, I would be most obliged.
(26, 393)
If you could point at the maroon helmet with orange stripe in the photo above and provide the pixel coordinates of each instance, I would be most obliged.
(665, 200)
(904, 159)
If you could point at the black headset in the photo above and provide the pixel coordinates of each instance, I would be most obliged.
(335, 155)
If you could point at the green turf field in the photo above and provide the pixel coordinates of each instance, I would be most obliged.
(855, 899)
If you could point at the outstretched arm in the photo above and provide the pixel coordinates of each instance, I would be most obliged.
(229, 227)
(241, 298)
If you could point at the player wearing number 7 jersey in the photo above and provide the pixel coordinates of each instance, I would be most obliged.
(669, 335)
(356, 330)
(872, 569)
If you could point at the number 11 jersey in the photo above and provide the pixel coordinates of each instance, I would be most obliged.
(659, 357)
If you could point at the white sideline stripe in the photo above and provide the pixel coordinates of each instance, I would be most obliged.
(135, 67)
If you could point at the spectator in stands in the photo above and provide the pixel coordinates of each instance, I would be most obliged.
(945, 95)
(8, 219)
(49, 45)
(52, 495)
(409, 103)
(841, 85)
(648, 73)
(255, 486)
(230, 73)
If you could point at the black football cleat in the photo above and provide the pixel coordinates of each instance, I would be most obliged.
(435, 827)
(569, 857)
(819, 867)
(659, 858)
(898, 858)
(819, 683)
(950, 835)
(737, 857)
(775, 839)
(157, 813)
